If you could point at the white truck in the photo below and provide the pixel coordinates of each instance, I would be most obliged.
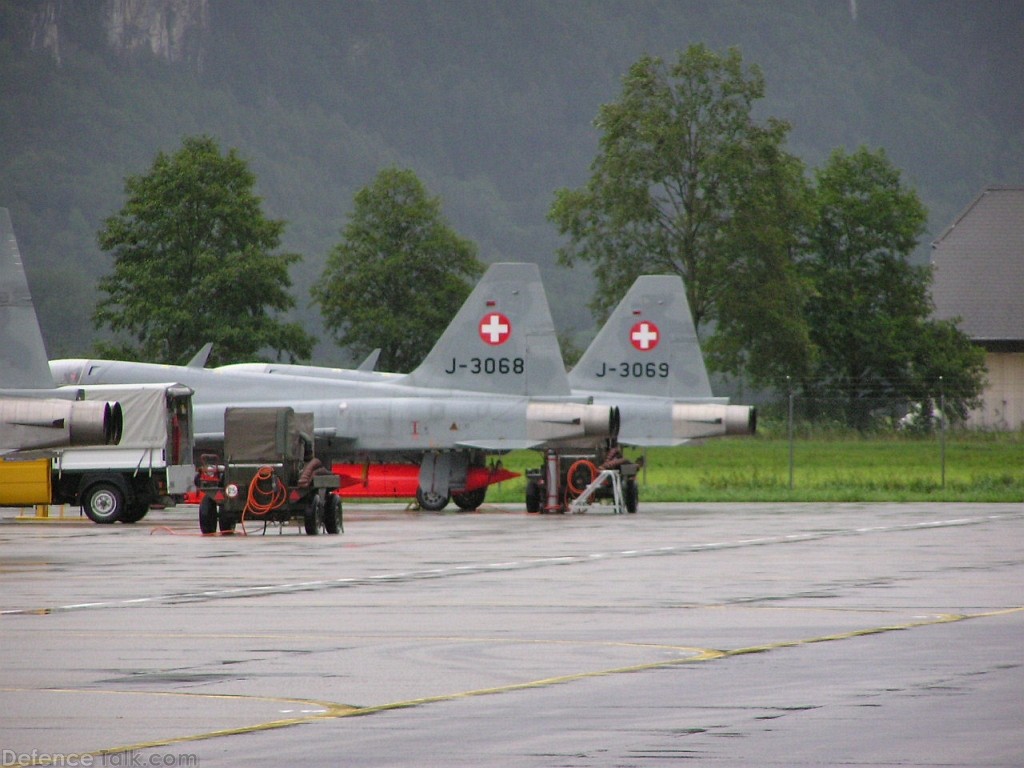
(152, 460)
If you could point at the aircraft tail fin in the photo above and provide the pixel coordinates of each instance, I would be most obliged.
(649, 346)
(199, 358)
(370, 363)
(23, 360)
(501, 341)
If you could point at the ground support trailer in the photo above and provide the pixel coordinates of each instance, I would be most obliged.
(269, 475)
(572, 482)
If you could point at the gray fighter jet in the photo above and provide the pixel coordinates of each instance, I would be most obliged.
(646, 360)
(33, 413)
(495, 381)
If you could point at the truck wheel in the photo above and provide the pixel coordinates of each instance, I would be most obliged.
(470, 500)
(314, 515)
(208, 515)
(104, 503)
(332, 514)
(431, 501)
(135, 513)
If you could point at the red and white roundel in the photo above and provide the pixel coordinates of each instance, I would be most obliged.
(495, 328)
(644, 336)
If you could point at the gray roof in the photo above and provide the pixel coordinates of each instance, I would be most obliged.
(979, 267)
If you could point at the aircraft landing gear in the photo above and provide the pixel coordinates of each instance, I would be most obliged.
(431, 501)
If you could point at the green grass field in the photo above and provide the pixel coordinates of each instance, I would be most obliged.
(979, 467)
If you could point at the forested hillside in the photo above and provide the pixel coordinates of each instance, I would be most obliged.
(490, 103)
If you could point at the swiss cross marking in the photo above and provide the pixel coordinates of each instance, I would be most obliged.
(495, 329)
(644, 336)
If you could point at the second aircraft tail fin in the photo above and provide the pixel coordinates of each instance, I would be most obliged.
(649, 346)
(501, 341)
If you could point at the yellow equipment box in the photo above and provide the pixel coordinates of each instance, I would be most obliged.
(24, 483)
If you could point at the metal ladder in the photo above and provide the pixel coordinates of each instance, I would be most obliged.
(582, 502)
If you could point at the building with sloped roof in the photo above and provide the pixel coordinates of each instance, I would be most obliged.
(978, 265)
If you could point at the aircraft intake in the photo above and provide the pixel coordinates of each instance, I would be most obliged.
(30, 423)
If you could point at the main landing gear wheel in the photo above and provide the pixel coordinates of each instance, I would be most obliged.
(104, 503)
(470, 501)
(431, 501)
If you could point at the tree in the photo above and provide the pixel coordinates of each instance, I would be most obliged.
(686, 182)
(193, 263)
(869, 315)
(399, 274)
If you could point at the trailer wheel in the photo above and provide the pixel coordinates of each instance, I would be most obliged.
(431, 501)
(533, 497)
(470, 501)
(208, 515)
(227, 521)
(632, 496)
(313, 517)
(104, 503)
(332, 514)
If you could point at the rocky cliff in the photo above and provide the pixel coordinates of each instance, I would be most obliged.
(171, 30)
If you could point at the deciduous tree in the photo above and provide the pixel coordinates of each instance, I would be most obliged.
(399, 274)
(194, 262)
(686, 181)
(870, 312)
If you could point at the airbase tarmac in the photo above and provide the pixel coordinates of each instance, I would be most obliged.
(725, 634)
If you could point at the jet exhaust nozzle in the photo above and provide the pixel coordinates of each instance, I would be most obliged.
(695, 420)
(567, 421)
(96, 423)
(48, 423)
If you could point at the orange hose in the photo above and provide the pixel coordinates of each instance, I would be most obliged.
(260, 501)
(570, 486)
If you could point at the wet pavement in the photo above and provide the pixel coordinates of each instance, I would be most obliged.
(731, 635)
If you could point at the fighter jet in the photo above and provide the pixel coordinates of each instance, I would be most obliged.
(495, 381)
(35, 415)
(646, 360)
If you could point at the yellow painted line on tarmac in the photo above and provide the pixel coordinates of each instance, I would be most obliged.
(326, 710)
(701, 654)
